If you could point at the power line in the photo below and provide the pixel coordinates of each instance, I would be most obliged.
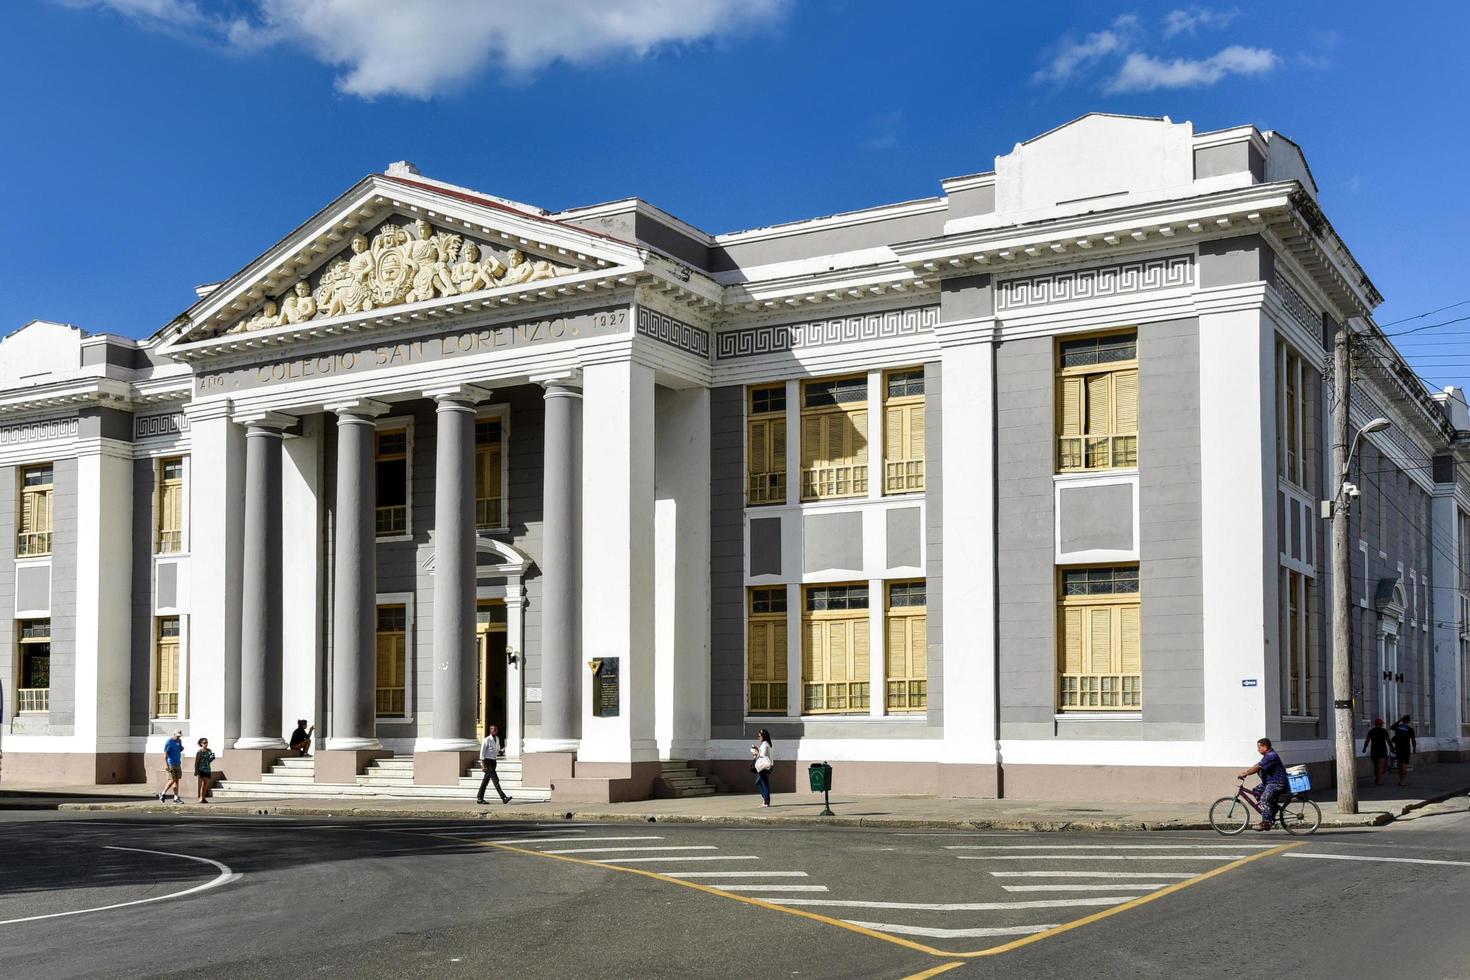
(1420, 316)
(1427, 326)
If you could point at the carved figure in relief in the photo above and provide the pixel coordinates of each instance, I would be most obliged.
(267, 317)
(427, 258)
(344, 286)
(523, 269)
(299, 306)
(470, 275)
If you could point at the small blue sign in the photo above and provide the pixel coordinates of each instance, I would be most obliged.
(1248, 682)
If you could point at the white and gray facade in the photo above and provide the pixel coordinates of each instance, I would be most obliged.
(321, 501)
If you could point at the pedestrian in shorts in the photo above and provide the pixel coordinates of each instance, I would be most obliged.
(204, 769)
(173, 765)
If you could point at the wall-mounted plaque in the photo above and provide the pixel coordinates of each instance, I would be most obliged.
(605, 692)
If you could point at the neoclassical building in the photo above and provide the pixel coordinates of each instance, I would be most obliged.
(1012, 491)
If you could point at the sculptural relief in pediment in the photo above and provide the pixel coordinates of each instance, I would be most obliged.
(400, 264)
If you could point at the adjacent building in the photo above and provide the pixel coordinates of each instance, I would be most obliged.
(1013, 491)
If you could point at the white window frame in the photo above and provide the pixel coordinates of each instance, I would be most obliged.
(405, 422)
(501, 411)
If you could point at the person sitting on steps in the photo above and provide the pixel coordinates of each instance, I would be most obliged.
(300, 740)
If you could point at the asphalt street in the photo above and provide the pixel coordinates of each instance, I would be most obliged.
(192, 895)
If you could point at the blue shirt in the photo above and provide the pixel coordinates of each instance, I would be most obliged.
(1273, 772)
(173, 752)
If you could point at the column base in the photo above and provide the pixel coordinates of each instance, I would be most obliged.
(343, 766)
(247, 763)
(606, 782)
(259, 743)
(439, 768)
(548, 745)
(541, 768)
(353, 743)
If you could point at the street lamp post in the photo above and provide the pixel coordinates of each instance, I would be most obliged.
(1342, 696)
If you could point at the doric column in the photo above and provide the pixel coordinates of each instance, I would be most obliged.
(454, 568)
(561, 600)
(354, 581)
(260, 587)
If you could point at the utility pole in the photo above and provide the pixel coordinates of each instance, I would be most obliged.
(1344, 738)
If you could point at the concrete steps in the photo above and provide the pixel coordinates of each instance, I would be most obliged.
(388, 779)
(680, 780)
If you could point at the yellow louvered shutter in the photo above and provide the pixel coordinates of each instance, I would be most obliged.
(1099, 404)
(837, 649)
(860, 666)
(1072, 641)
(858, 436)
(1071, 415)
(893, 433)
(1130, 652)
(760, 650)
(915, 431)
(812, 649)
(778, 445)
(919, 647)
(1100, 641)
(778, 650)
(759, 446)
(896, 656)
(1125, 394)
(811, 439)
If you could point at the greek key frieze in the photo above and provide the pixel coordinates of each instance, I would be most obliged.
(16, 435)
(160, 425)
(1301, 311)
(777, 338)
(1123, 279)
(676, 333)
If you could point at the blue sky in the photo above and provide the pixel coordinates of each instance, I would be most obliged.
(155, 144)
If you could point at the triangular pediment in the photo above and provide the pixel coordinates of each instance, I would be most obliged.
(395, 245)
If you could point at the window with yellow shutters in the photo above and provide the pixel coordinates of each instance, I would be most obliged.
(765, 655)
(166, 668)
(169, 478)
(489, 474)
(392, 661)
(1097, 403)
(903, 431)
(33, 535)
(765, 438)
(834, 650)
(907, 673)
(1100, 656)
(834, 438)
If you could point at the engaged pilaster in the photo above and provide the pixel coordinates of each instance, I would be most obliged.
(260, 593)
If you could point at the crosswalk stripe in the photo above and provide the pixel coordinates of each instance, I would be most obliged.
(764, 889)
(1108, 847)
(622, 850)
(558, 840)
(1360, 857)
(1135, 886)
(1058, 903)
(950, 933)
(1099, 857)
(1085, 874)
(738, 874)
(702, 857)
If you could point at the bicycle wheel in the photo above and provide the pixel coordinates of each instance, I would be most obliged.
(1229, 815)
(1300, 816)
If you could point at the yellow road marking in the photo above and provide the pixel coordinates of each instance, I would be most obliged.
(936, 971)
(896, 940)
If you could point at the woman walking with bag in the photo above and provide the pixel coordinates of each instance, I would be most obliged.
(204, 769)
(762, 765)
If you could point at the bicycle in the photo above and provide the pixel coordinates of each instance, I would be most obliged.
(1230, 815)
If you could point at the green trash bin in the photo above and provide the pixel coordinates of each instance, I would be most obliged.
(820, 776)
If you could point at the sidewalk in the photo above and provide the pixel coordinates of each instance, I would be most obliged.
(1377, 805)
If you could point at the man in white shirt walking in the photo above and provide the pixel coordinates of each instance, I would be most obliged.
(490, 750)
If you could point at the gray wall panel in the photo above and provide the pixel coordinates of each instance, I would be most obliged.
(8, 668)
(934, 536)
(64, 596)
(904, 548)
(765, 546)
(727, 561)
(140, 689)
(832, 541)
(1227, 261)
(1097, 517)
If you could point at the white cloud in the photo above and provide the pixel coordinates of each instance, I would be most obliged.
(424, 48)
(1071, 56)
(1191, 20)
(1144, 73)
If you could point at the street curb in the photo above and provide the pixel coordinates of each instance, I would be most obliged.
(542, 813)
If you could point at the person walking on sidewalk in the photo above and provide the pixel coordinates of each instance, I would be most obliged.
(490, 750)
(204, 769)
(1405, 742)
(1376, 745)
(173, 765)
(763, 765)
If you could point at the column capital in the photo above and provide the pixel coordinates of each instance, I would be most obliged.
(458, 394)
(266, 422)
(562, 384)
(369, 408)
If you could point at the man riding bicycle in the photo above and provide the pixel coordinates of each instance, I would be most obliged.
(1273, 782)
